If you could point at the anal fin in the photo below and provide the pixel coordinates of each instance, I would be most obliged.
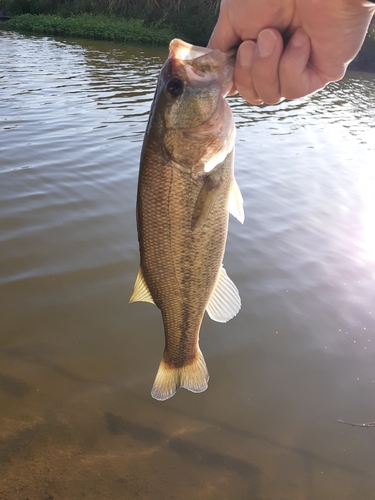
(225, 301)
(141, 293)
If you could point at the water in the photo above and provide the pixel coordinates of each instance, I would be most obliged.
(77, 362)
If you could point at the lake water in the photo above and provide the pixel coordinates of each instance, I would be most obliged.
(77, 361)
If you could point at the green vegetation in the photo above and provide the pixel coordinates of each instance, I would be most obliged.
(131, 21)
(89, 26)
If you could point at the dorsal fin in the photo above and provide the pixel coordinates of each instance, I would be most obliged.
(141, 293)
(225, 301)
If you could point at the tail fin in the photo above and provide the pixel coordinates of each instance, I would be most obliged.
(193, 377)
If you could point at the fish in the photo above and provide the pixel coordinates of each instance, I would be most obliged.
(186, 189)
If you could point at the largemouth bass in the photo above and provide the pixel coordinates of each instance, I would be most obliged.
(186, 188)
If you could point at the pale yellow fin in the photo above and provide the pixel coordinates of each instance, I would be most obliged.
(193, 377)
(235, 206)
(141, 293)
(205, 201)
(225, 301)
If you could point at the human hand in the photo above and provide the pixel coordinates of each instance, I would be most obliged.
(321, 38)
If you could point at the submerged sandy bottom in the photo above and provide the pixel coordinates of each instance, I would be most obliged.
(102, 443)
(108, 442)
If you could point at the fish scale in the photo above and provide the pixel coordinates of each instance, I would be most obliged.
(182, 210)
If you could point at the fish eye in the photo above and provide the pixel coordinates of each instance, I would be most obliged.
(175, 87)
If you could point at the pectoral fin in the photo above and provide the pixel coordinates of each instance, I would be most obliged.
(141, 293)
(225, 301)
(205, 201)
(235, 206)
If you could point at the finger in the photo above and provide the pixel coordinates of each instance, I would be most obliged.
(223, 36)
(297, 76)
(233, 91)
(265, 65)
(243, 79)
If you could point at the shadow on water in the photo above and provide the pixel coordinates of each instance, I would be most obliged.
(13, 387)
(189, 451)
(118, 425)
(210, 458)
(37, 355)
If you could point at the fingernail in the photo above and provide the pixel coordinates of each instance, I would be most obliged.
(266, 43)
(245, 53)
(299, 38)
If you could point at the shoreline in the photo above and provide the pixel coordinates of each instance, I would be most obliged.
(191, 28)
(138, 31)
(89, 26)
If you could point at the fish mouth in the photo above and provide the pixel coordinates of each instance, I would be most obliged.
(185, 70)
(200, 63)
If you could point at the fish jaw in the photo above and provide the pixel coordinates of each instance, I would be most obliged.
(199, 61)
(181, 50)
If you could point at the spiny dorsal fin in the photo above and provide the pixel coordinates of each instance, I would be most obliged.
(141, 293)
(225, 301)
(205, 201)
(235, 205)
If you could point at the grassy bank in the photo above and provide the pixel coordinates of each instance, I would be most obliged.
(98, 27)
(132, 21)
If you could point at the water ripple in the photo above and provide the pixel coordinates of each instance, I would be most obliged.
(72, 119)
